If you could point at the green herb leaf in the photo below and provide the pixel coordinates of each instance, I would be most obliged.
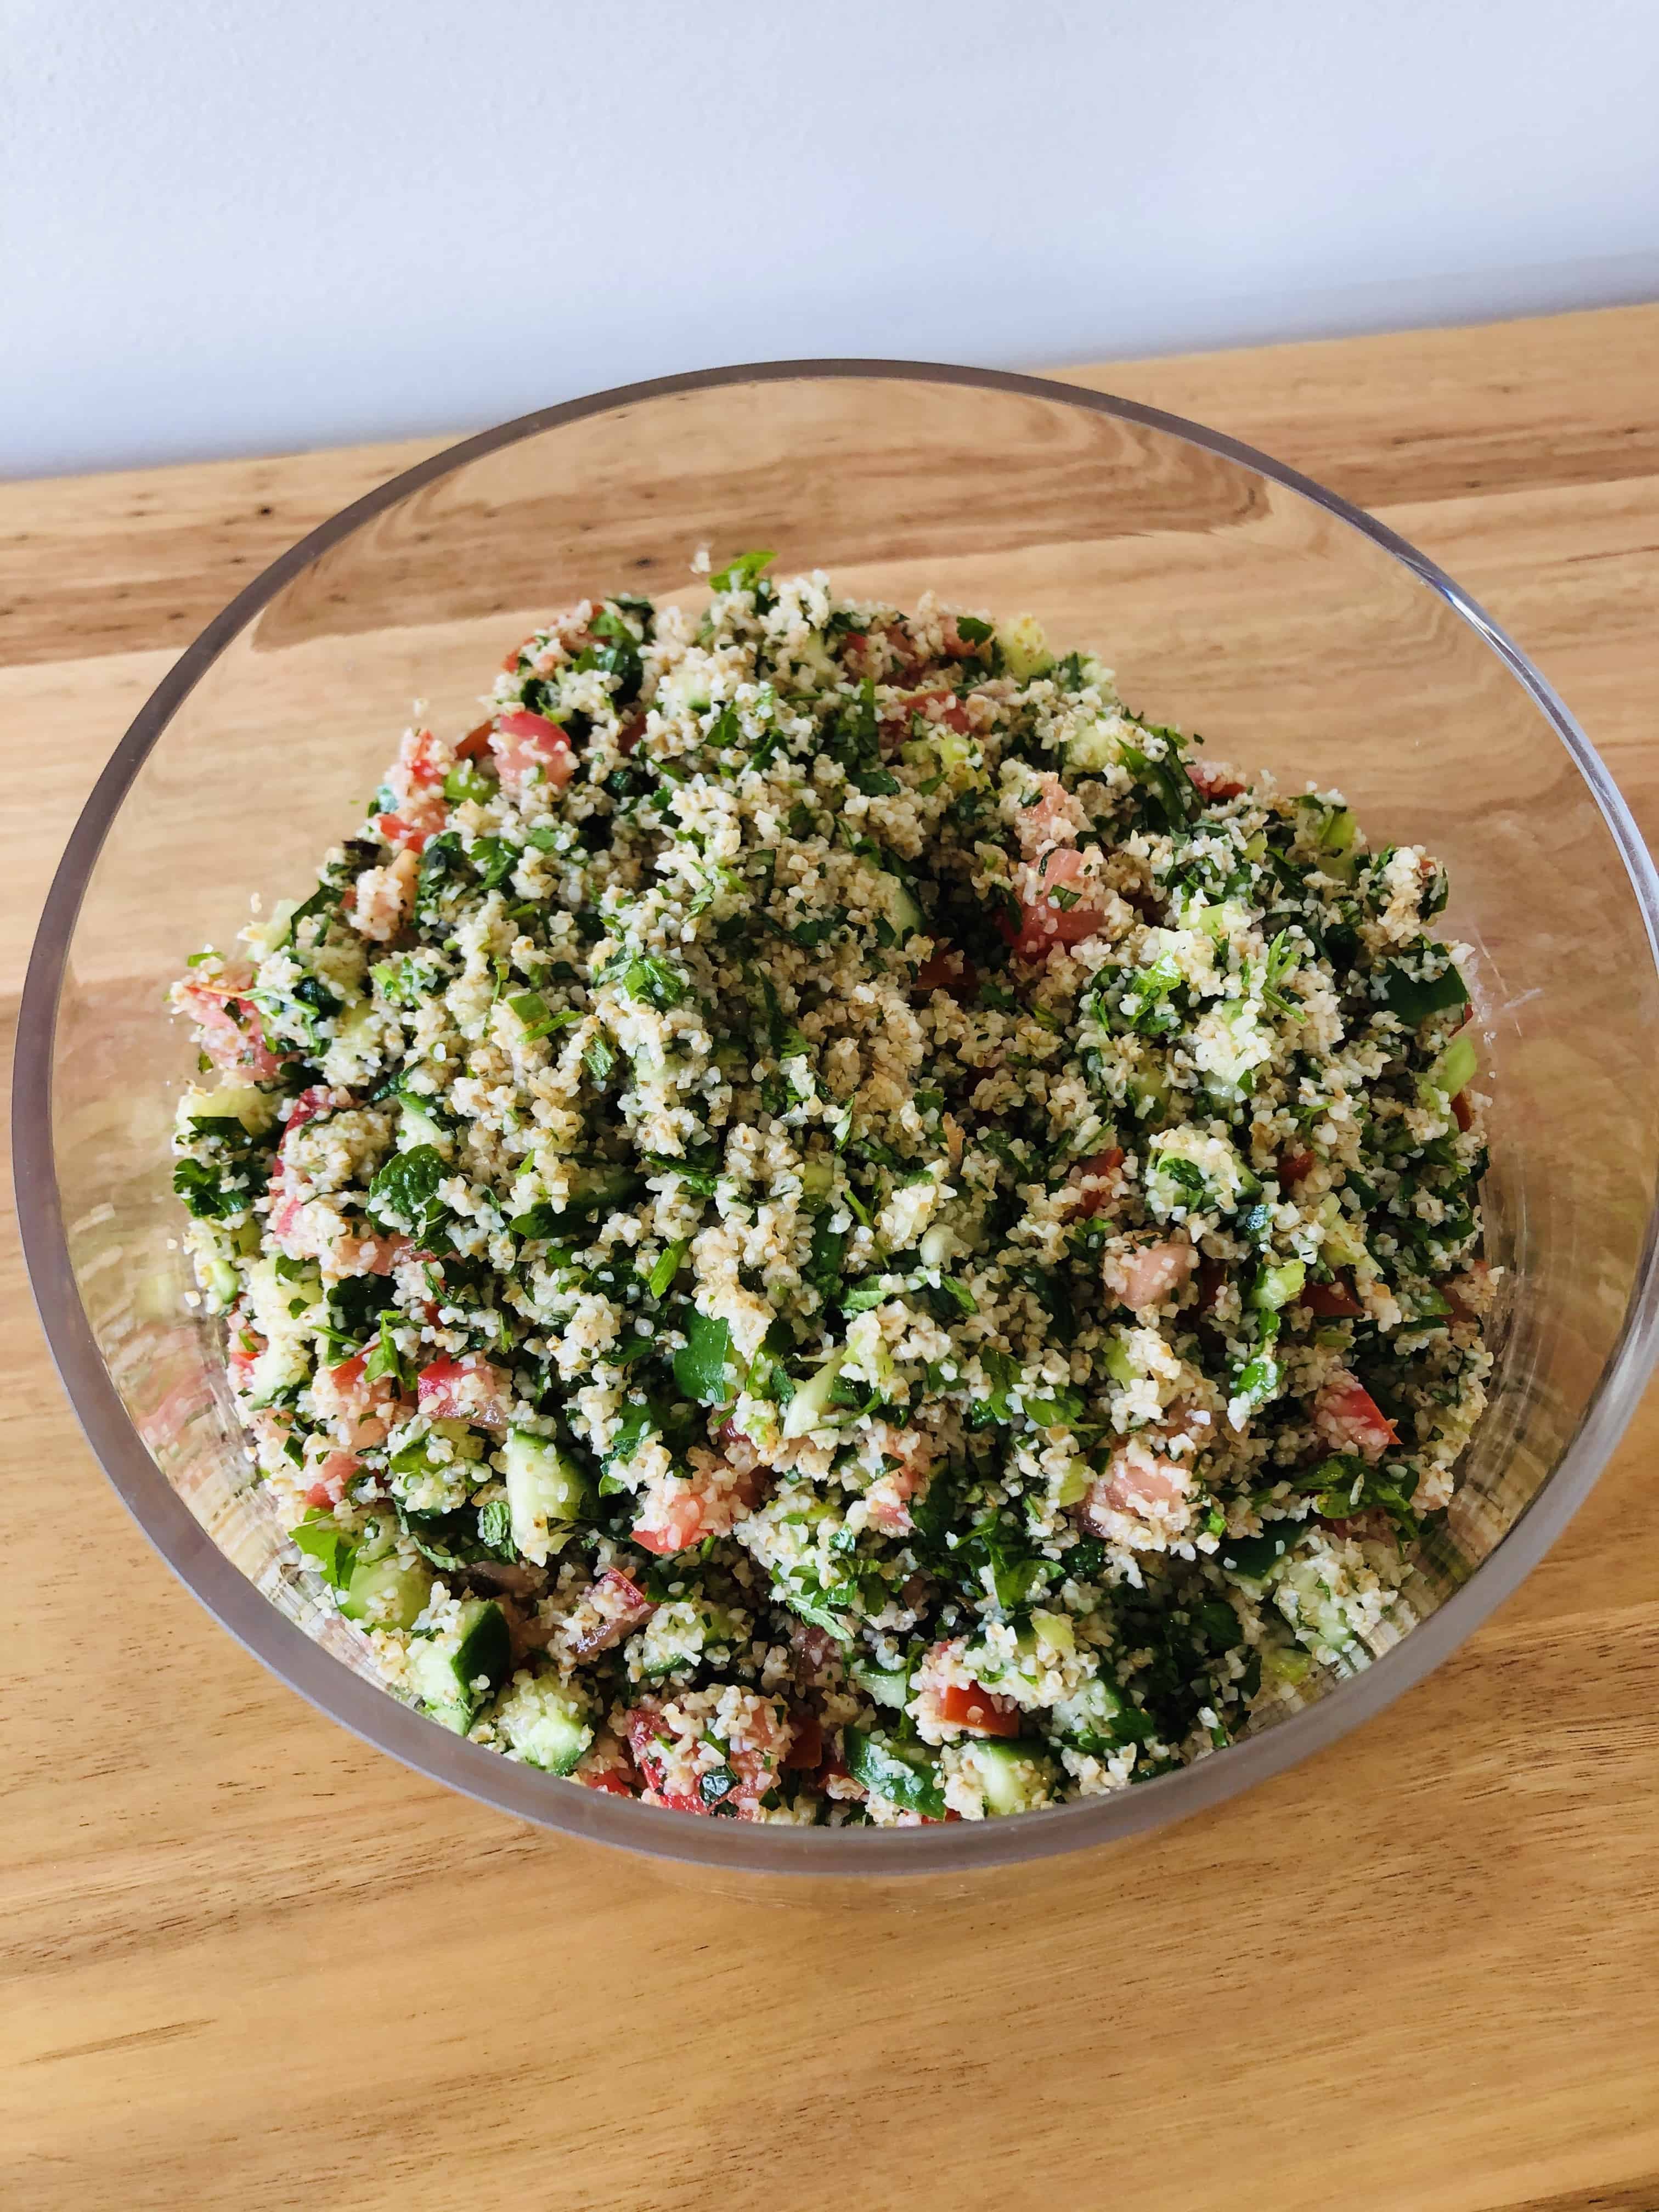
(325, 1541)
(700, 1365)
(743, 573)
(405, 1191)
(666, 1268)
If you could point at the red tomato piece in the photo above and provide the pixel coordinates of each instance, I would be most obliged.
(524, 742)
(620, 1605)
(475, 743)
(1331, 1301)
(403, 836)
(1046, 919)
(678, 1525)
(231, 1034)
(806, 1742)
(977, 1710)
(607, 1781)
(1216, 783)
(950, 971)
(468, 1390)
(1350, 1419)
(1146, 1274)
(1295, 1166)
(1102, 1166)
(1462, 1112)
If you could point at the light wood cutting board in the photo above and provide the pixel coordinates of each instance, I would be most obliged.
(249, 1963)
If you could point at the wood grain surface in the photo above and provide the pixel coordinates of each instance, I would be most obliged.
(248, 1962)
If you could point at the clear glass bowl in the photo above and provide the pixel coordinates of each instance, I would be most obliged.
(1231, 595)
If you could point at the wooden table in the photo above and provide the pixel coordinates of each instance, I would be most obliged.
(250, 1963)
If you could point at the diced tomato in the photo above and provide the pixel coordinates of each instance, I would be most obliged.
(475, 743)
(1295, 1166)
(1053, 818)
(644, 1723)
(246, 1345)
(1462, 1112)
(1211, 1274)
(1101, 1168)
(468, 1390)
(977, 1710)
(681, 1511)
(422, 763)
(1131, 1483)
(1350, 1419)
(524, 742)
(858, 654)
(1146, 1274)
(1468, 1294)
(1331, 1301)
(310, 1106)
(402, 835)
(332, 1476)
(939, 705)
(1046, 920)
(620, 1605)
(950, 971)
(233, 1037)
(629, 734)
(1215, 783)
(607, 1780)
(953, 644)
(806, 1742)
(677, 1527)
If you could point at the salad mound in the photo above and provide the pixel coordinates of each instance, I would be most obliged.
(816, 1221)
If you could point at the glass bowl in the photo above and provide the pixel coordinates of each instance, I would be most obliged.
(1231, 595)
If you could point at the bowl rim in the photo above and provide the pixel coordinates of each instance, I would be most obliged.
(525, 1792)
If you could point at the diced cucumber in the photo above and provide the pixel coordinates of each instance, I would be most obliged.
(1073, 1484)
(233, 1101)
(357, 1029)
(811, 657)
(1453, 1070)
(903, 912)
(1148, 1090)
(546, 1491)
(1013, 1776)
(1278, 1284)
(904, 1774)
(810, 1407)
(416, 1126)
(882, 1685)
(1096, 747)
(453, 1674)
(1343, 1245)
(545, 1724)
(386, 1592)
(1089, 1716)
(948, 753)
(1055, 1630)
(817, 1178)
(1114, 1357)
(1024, 648)
(1333, 832)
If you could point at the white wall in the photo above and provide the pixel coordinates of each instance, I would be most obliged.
(232, 226)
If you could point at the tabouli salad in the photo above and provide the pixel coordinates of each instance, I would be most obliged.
(817, 1222)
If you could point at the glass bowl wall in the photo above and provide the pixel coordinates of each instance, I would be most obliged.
(1232, 597)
